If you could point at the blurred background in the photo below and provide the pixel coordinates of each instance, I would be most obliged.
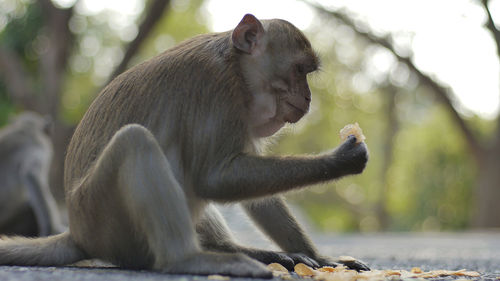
(421, 77)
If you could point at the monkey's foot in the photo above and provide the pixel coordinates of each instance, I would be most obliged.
(236, 265)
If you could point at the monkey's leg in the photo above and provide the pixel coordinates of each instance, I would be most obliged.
(214, 235)
(130, 210)
(43, 204)
(275, 219)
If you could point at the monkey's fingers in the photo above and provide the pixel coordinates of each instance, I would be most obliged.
(284, 260)
(301, 258)
(346, 261)
(268, 257)
(355, 264)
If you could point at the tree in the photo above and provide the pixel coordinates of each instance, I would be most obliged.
(486, 153)
(38, 84)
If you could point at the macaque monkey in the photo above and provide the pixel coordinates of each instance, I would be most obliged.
(171, 135)
(26, 204)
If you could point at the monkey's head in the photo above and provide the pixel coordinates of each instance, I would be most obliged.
(33, 123)
(275, 58)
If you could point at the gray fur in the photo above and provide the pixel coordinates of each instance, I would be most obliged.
(25, 157)
(47, 251)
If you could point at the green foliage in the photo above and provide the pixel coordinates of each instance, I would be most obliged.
(432, 176)
(20, 36)
(430, 180)
(99, 48)
(22, 29)
(181, 22)
(344, 204)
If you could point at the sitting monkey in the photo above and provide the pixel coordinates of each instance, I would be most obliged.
(26, 204)
(171, 135)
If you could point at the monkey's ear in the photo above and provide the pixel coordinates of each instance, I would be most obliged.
(248, 34)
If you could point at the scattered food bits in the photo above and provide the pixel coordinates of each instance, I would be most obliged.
(352, 129)
(341, 273)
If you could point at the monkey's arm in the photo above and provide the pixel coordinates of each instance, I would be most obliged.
(214, 235)
(275, 219)
(249, 176)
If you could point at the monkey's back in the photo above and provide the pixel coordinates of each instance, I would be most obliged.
(170, 96)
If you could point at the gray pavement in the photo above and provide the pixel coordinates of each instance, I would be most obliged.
(477, 251)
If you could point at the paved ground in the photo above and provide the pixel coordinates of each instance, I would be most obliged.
(478, 251)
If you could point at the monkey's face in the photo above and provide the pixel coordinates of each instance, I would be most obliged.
(292, 92)
(277, 75)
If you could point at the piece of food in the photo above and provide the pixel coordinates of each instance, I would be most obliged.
(277, 267)
(327, 269)
(352, 129)
(389, 272)
(303, 270)
(467, 273)
(279, 271)
(416, 270)
(347, 258)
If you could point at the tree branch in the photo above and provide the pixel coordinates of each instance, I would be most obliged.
(441, 92)
(496, 36)
(491, 25)
(155, 12)
(16, 79)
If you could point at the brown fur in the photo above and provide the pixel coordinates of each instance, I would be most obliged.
(172, 134)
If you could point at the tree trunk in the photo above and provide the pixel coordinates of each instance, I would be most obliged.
(388, 151)
(488, 190)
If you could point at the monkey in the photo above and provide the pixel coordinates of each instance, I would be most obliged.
(27, 206)
(171, 135)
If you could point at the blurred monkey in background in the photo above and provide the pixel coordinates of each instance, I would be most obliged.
(27, 206)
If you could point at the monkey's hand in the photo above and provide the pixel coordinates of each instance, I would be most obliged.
(318, 261)
(350, 157)
(288, 260)
(302, 258)
(350, 263)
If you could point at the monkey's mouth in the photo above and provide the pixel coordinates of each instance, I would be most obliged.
(296, 113)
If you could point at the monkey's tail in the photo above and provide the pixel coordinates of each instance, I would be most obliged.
(45, 251)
